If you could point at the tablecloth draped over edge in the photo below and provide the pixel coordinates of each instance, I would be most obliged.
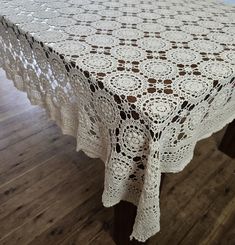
(21, 65)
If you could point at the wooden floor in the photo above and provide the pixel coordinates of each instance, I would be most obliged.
(50, 194)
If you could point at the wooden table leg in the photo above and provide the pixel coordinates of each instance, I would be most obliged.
(124, 218)
(227, 144)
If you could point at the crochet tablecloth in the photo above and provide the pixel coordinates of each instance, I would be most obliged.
(137, 82)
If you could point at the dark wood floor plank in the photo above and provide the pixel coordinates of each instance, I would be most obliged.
(43, 221)
(37, 189)
(28, 121)
(32, 176)
(223, 232)
(214, 216)
(101, 239)
(12, 104)
(38, 204)
(21, 136)
(73, 221)
(91, 228)
(17, 159)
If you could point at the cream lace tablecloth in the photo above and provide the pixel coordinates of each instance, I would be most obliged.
(137, 82)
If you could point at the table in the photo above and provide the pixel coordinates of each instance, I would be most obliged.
(138, 83)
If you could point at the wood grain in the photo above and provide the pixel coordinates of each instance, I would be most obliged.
(51, 195)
